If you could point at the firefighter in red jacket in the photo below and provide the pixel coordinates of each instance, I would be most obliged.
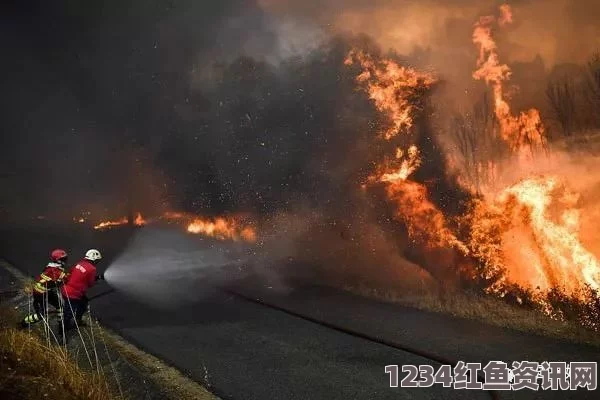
(45, 288)
(81, 277)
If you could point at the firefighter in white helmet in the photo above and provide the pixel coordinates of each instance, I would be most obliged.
(81, 277)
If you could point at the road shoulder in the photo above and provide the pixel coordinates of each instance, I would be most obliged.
(132, 372)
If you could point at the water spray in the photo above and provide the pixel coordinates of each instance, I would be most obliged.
(165, 267)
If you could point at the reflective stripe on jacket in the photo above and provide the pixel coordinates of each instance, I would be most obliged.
(52, 275)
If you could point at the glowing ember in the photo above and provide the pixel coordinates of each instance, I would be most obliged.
(174, 215)
(391, 87)
(520, 132)
(407, 166)
(110, 224)
(221, 228)
(139, 220)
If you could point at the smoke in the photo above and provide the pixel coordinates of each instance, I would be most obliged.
(243, 106)
(213, 107)
(436, 35)
(558, 30)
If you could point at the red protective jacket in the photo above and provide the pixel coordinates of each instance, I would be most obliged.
(52, 275)
(81, 277)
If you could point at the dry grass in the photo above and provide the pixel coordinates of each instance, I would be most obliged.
(172, 381)
(30, 369)
(486, 309)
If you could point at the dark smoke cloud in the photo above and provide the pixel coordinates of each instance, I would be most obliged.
(91, 92)
(558, 30)
(177, 105)
(220, 105)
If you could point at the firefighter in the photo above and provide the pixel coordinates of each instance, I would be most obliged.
(81, 277)
(46, 286)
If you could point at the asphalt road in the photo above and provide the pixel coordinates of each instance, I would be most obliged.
(275, 348)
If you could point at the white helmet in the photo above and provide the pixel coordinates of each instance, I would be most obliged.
(93, 255)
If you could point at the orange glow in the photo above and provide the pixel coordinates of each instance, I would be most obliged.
(174, 215)
(531, 231)
(110, 224)
(521, 132)
(506, 16)
(393, 90)
(425, 222)
(525, 235)
(407, 165)
(139, 220)
(222, 229)
(528, 234)
(391, 87)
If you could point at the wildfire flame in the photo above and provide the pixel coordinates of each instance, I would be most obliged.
(528, 233)
(137, 221)
(110, 224)
(531, 230)
(425, 222)
(524, 131)
(221, 228)
(407, 166)
(392, 88)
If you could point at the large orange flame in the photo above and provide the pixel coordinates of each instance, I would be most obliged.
(526, 234)
(523, 131)
(392, 88)
(529, 232)
(222, 228)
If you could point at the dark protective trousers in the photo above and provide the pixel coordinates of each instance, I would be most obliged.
(74, 308)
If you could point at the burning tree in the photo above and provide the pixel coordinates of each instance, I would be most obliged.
(520, 240)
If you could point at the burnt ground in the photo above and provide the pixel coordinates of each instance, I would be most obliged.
(246, 336)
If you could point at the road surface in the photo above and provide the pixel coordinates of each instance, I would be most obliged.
(247, 338)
